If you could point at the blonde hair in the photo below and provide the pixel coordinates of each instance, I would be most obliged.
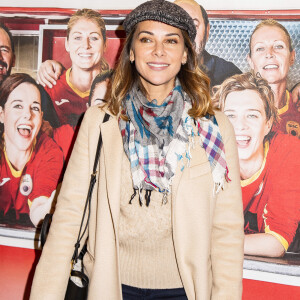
(93, 16)
(193, 81)
(271, 23)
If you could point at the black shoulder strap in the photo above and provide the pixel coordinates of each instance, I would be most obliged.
(89, 194)
(97, 156)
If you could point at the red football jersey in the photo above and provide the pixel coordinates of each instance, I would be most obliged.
(271, 197)
(39, 177)
(289, 118)
(69, 103)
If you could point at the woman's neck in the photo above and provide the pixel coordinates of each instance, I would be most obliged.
(82, 79)
(158, 92)
(279, 91)
(249, 167)
(17, 158)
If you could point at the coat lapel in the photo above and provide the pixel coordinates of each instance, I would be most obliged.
(113, 151)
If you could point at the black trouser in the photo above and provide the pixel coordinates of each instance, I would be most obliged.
(133, 293)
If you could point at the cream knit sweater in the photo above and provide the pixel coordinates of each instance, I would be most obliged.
(147, 257)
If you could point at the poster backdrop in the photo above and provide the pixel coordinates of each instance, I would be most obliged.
(29, 183)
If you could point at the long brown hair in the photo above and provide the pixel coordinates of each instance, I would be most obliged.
(93, 16)
(194, 82)
(7, 86)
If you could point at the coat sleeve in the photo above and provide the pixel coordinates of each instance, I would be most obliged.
(227, 248)
(52, 272)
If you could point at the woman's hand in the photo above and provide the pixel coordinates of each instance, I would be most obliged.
(49, 72)
(40, 207)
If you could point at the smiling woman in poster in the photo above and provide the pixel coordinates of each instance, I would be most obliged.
(269, 165)
(271, 55)
(85, 43)
(166, 221)
(30, 161)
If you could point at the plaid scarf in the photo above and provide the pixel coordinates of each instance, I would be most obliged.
(156, 138)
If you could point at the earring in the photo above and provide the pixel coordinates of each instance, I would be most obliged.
(131, 61)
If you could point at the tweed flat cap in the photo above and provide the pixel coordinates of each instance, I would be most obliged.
(161, 11)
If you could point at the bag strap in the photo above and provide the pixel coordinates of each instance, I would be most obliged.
(89, 195)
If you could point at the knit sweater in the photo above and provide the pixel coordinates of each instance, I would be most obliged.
(147, 256)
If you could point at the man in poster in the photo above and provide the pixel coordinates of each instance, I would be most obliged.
(7, 52)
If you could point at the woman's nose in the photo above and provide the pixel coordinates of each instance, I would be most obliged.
(86, 43)
(159, 49)
(241, 123)
(27, 113)
(269, 52)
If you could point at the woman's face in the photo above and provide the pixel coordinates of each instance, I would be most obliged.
(22, 116)
(99, 93)
(246, 112)
(158, 51)
(270, 54)
(85, 44)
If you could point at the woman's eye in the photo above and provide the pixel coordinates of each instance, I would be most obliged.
(172, 41)
(18, 106)
(77, 38)
(252, 116)
(278, 47)
(94, 38)
(145, 40)
(36, 108)
(260, 49)
(230, 116)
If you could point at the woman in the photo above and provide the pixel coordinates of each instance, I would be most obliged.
(31, 162)
(269, 165)
(271, 55)
(164, 221)
(86, 37)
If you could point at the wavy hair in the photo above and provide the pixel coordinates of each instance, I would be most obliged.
(247, 81)
(193, 81)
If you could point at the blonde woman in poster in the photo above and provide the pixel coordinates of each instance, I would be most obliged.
(165, 219)
(269, 165)
(31, 162)
(271, 55)
(85, 42)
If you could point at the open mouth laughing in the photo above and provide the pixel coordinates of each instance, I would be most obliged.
(3, 68)
(242, 140)
(24, 130)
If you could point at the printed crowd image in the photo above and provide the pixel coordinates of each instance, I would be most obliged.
(166, 96)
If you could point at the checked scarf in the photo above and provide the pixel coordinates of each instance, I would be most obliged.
(156, 138)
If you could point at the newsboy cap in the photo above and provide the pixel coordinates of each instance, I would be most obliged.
(161, 11)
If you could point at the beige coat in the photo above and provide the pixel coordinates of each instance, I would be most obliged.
(207, 231)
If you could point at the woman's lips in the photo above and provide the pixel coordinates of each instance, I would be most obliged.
(271, 67)
(157, 66)
(242, 140)
(24, 130)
